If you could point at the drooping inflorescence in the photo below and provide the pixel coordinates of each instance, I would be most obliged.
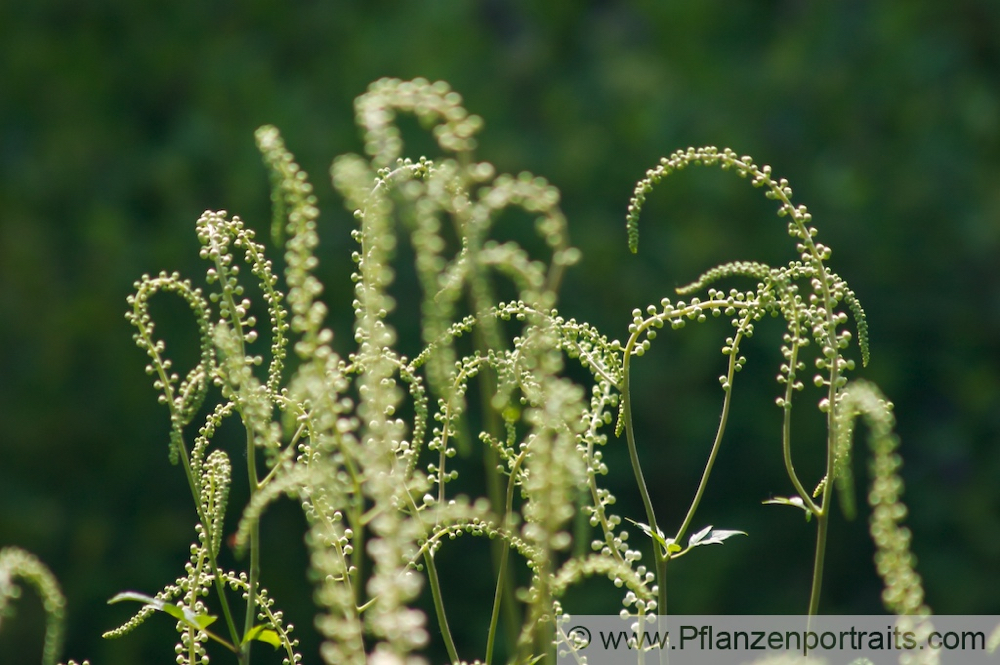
(370, 442)
(811, 299)
(18, 565)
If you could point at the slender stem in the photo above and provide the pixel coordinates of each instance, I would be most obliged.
(822, 277)
(193, 483)
(427, 551)
(786, 447)
(499, 549)
(355, 518)
(254, 573)
(786, 426)
(727, 401)
(786, 451)
(497, 597)
(504, 555)
(220, 640)
(823, 517)
(435, 586)
(659, 555)
(220, 586)
(823, 523)
(192, 645)
(251, 455)
(599, 511)
(285, 456)
(220, 590)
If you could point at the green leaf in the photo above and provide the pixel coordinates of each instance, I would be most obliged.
(658, 536)
(718, 536)
(263, 634)
(795, 501)
(183, 614)
(697, 538)
(141, 597)
(710, 536)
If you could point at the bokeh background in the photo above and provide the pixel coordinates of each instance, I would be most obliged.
(120, 122)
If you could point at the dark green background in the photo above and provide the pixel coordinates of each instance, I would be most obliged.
(121, 121)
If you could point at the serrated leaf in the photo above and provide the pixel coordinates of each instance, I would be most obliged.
(696, 538)
(263, 634)
(795, 501)
(203, 621)
(658, 536)
(789, 501)
(710, 536)
(135, 595)
(718, 536)
(184, 614)
(174, 611)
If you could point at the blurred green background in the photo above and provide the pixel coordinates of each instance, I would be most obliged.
(120, 122)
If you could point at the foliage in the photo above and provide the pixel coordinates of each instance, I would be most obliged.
(366, 442)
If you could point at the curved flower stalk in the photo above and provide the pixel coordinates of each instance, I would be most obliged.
(369, 442)
(373, 486)
(813, 320)
(467, 194)
(896, 565)
(17, 564)
(226, 362)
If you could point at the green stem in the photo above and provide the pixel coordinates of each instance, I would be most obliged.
(660, 555)
(220, 640)
(499, 549)
(285, 456)
(193, 485)
(786, 425)
(822, 277)
(497, 598)
(435, 586)
(727, 401)
(254, 574)
(220, 586)
(432, 581)
(595, 497)
(251, 455)
(504, 555)
(786, 448)
(823, 516)
(823, 523)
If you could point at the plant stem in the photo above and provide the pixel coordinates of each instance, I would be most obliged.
(726, 402)
(220, 586)
(823, 516)
(193, 484)
(500, 550)
(823, 523)
(497, 597)
(435, 586)
(254, 575)
(502, 585)
(659, 554)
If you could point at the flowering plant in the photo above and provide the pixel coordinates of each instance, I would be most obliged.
(366, 442)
